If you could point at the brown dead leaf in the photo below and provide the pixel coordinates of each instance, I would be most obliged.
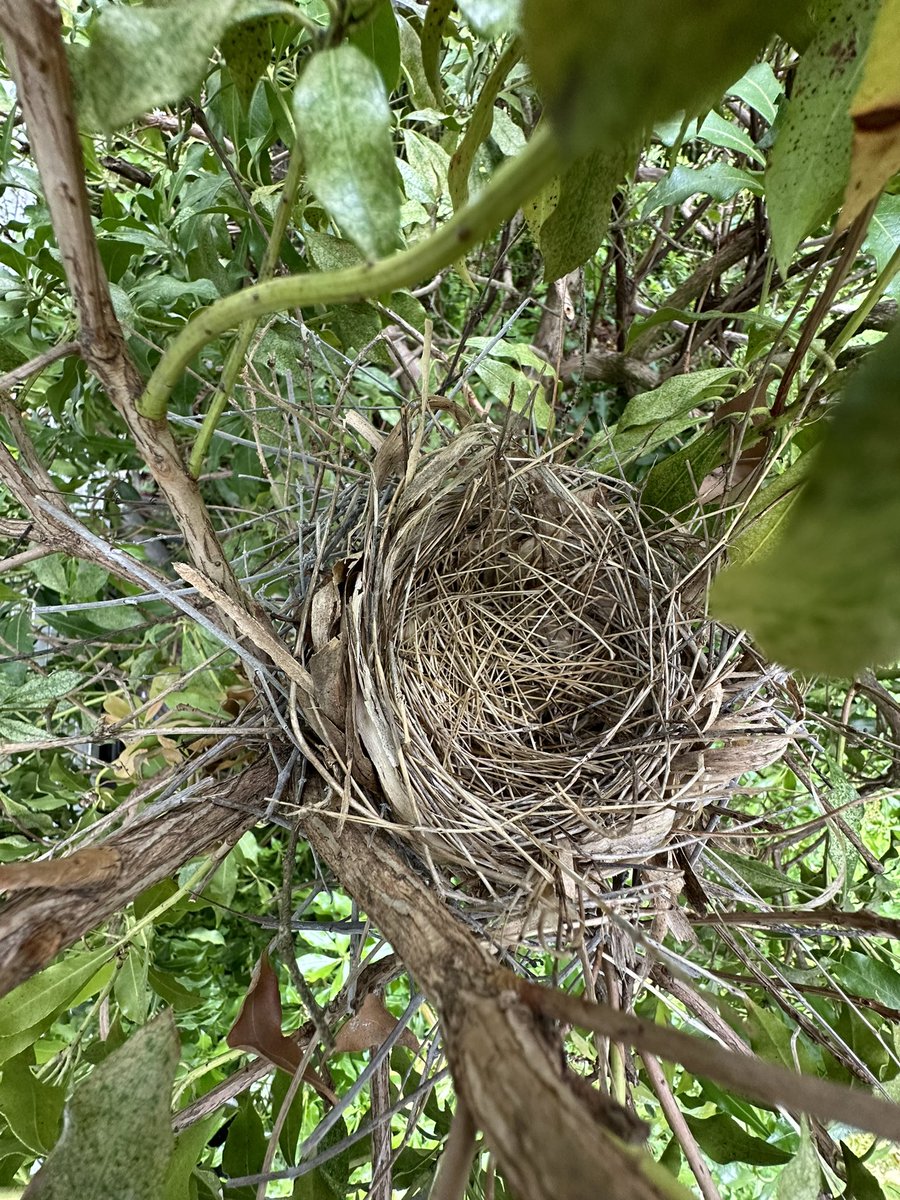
(258, 1024)
(80, 869)
(368, 1028)
(258, 1029)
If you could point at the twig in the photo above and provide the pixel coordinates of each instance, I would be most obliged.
(19, 374)
(680, 1128)
(455, 1166)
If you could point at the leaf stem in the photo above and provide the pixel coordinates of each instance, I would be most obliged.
(510, 187)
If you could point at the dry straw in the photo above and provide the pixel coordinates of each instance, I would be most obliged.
(533, 680)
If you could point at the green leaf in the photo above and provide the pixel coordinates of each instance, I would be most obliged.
(492, 18)
(248, 50)
(801, 1177)
(826, 599)
(574, 230)
(33, 1109)
(50, 573)
(673, 483)
(245, 1147)
(676, 395)
(39, 999)
(719, 180)
(868, 977)
(760, 89)
(810, 162)
(608, 70)
(140, 57)
(723, 1140)
(189, 1146)
(379, 40)
(130, 987)
(759, 875)
(883, 237)
(117, 1138)
(861, 1183)
(293, 1124)
(344, 126)
(330, 1180)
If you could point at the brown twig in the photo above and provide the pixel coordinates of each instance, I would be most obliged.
(19, 374)
(680, 1128)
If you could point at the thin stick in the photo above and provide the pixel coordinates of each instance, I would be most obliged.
(679, 1127)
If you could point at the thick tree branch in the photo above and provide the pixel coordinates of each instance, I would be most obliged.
(550, 1131)
(37, 925)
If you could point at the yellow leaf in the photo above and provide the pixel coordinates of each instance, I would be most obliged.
(876, 116)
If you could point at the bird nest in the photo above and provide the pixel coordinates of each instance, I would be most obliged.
(537, 697)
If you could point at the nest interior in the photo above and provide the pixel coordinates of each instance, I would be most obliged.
(534, 678)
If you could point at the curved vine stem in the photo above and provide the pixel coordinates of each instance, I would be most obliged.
(515, 183)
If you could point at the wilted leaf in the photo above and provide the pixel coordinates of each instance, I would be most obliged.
(344, 126)
(826, 599)
(117, 1137)
(258, 1024)
(371, 1026)
(82, 868)
(810, 161)
(608, 70)
(876, 116)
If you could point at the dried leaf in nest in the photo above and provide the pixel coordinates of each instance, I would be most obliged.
(534, 678)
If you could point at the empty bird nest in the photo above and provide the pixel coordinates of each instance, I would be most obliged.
(520, 677)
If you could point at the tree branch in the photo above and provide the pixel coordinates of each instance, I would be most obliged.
(32, 32)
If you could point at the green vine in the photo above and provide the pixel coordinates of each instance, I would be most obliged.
(512, 185)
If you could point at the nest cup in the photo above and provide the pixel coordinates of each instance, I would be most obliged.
(541, 695)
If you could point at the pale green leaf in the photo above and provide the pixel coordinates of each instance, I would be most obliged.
(810, 162)
(729, 135)
(491, 17)
(130, 987)
(719, 180)
(138, 58)
(827, 599)
(37, 692)
(344, 126)
(608, 70)
(760, 90)
(574, 230)
(883, 237)
(676, 395)
(117, 1138)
